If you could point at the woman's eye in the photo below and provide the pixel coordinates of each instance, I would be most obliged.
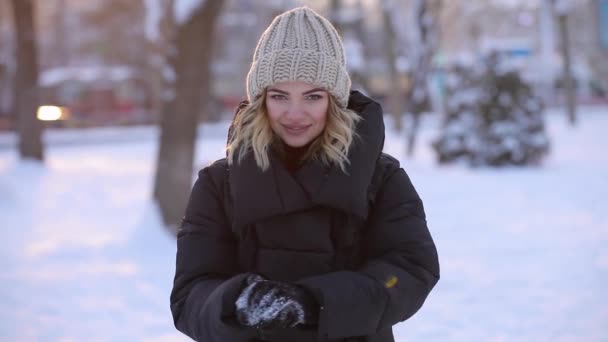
(278, 97)
(314, 97)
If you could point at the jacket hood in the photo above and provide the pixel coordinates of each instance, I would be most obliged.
(257, 194)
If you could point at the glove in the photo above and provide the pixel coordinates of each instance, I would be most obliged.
(267, 304)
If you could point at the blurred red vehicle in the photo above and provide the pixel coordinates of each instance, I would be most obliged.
(94, 96)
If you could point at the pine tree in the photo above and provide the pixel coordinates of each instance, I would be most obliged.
(492, 118)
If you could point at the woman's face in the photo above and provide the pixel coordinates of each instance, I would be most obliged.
(297, 111)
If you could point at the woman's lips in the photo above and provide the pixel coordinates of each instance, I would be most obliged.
(296, 129)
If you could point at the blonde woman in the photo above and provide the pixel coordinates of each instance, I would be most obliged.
(306, 231)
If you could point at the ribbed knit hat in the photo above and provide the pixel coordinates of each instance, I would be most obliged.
(300, 45)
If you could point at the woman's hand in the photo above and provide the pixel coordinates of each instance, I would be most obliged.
(267, 304)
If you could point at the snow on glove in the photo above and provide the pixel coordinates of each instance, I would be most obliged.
(267, 304)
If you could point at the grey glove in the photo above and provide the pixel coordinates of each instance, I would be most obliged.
(267, 304)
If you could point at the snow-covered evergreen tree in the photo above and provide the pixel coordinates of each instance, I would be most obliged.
(492, 118)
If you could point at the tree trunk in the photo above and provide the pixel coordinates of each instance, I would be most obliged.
(179, 121)
(61, 51)
(395, 97)
(335, 15)
(358, 78)
(568, 80)
(26, 82)
(547, 48)
(426, 14)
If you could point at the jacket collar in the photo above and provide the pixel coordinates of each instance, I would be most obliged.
(258, 195)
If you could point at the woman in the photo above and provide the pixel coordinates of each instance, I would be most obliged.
(306, 231)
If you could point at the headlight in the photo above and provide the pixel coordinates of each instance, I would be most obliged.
(52, 113)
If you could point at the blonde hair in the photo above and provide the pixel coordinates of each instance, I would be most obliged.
(252, 132)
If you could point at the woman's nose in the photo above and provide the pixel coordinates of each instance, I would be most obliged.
(295, 109)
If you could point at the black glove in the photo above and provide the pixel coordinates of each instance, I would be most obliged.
(267, 304)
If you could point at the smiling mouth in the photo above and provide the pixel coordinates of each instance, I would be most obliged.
(296, 129)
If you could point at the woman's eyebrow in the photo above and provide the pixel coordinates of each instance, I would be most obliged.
(278, 91)
(313, 91)
(287, 93)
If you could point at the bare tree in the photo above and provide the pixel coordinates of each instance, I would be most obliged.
(5, 74)
(361, 77)
(352, 26)
(335, 15)
(26, 82)
(119, 35)
(191, 64)
(61, 51)
(425, 40)
(395, 96)
(561, 11)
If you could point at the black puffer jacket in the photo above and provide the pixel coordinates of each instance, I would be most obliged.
(358, 242)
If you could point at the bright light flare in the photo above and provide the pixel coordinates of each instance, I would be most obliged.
(49, 113)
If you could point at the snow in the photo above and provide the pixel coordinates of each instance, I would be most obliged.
(238, 19)
(169, 75)
(153, 17)
(563, 7)
(57, 75)
(184, 9)
(523, 251)
(353, 49)
(516, 3)
(274, 304)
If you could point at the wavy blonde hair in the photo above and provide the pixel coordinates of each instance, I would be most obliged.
(252, 132)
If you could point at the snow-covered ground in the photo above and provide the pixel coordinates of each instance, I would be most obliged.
(523, 252)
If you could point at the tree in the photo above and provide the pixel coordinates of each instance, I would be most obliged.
(26, 82)
(395, 97)
(425, 40)
(119, 36)
(561, 10)
(492, 118)
(191, 66)
(336, 19)
(352, 30)
(5, 67)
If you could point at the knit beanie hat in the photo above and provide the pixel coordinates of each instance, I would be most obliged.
(300, 45)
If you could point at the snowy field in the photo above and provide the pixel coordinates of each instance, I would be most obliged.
(523, 252)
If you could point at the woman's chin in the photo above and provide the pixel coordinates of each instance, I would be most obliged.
(296, 142)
